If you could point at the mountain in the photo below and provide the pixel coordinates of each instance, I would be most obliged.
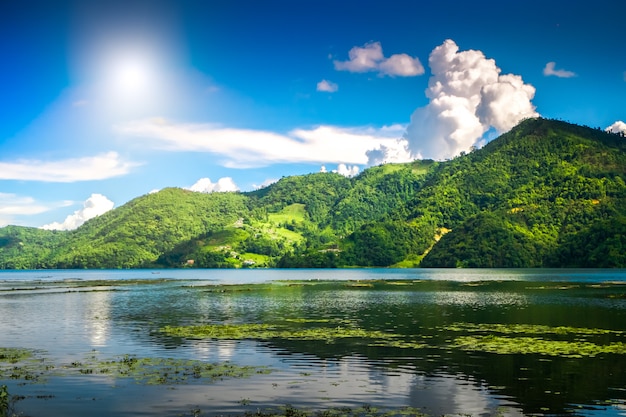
(545, 194)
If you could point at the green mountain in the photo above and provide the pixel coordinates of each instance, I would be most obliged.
(545, 194)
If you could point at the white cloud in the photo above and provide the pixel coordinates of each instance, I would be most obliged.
(370, 58)
(617, 127)
(327, 86)
(467, 96)
(342, 169)
(98, 167)
(95, 205)
(402, 65)
(503, 102)
(384, 154)
(362, 59)
(204, 185)
(347, 171)
(265, 183)
(243, 148)
(13, 206)
(561, 73)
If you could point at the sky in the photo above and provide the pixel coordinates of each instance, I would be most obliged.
(105, 101)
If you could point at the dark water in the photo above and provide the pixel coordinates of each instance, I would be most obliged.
(65, 315)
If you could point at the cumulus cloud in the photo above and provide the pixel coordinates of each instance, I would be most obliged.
(346, 170)
(397, 153)
(549, 70)
(98, 167)
(244, 148)
(468, 96)
(370, 58)
(204, 185)
(617, 127)
(343, 169)
(95, 205)
(327, 86)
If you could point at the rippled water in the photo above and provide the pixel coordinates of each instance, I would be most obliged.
(65, 315)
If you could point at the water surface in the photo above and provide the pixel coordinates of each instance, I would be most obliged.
(66, 316)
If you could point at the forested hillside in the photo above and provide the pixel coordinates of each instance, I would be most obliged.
(545, 194)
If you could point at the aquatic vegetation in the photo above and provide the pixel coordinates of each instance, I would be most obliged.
(267, 331)
(359, 285)
(4, 401)
(142, 370)
(19, 363)
(160, 370)
(364, 411)
(527, 329)
(536, 339)
(402, 344)
(14, 355)
(536, 345)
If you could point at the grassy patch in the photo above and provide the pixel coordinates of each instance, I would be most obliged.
(293, 212)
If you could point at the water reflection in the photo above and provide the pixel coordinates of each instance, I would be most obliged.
(97, 318)
(67, 322)
(458, 395)
(477, 300)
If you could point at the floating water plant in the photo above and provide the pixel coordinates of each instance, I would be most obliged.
(14, 355)
(527, 329)
(536, 345)
(142, 370)
(266, 332)
(364, 411)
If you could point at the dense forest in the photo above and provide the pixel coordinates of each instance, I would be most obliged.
(545, 194)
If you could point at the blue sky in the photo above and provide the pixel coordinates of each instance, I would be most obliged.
(104, 101)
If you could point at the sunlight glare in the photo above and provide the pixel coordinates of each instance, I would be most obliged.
(131, 77)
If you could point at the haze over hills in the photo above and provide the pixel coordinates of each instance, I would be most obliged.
(545, 194)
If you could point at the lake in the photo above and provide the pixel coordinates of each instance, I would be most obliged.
(352, 342)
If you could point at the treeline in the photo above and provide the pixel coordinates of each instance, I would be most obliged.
(545, 194)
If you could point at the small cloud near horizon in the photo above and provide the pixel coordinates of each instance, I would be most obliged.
(617, 127)
(265, 183)
(549, 70)
(204, 185)
(343, 169)
(327, 86)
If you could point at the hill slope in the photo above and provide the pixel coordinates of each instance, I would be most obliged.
(547, 193)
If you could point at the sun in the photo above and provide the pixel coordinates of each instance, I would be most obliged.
(131, 77)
